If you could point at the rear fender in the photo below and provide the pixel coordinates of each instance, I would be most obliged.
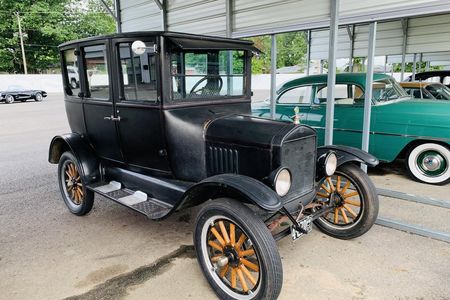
(347, 154)
(239, 187)
(85, 155)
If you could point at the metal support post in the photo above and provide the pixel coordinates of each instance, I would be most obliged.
(385, 64)
(369, 89)
(22, 47)
(405, 40)
(333, 43)
(414, 67)
(273, 76)
(351, 36)
(308, 54)
(228, 9)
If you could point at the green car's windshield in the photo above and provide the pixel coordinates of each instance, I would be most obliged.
(439, 91)
(387, 90)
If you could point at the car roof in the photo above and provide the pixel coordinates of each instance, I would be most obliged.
(429, 74)
(415, 84)
(157, 33)
(352, 78)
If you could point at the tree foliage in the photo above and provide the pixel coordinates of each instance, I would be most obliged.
(291, 51)
(45, 25)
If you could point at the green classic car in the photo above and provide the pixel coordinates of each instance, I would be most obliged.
(401, 127)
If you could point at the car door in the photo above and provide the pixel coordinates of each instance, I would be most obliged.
(139, 106)
(348, 115)
(99, 109)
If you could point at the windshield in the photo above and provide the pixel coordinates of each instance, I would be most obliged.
(207, 75)
(15, 88)
(439, 91)
(387, 90)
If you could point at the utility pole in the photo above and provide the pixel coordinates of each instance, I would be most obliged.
(21, 44)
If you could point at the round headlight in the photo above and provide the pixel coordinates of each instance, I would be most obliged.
(283, 182)
(330, 164)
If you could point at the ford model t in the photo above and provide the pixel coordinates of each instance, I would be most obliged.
(162, 121)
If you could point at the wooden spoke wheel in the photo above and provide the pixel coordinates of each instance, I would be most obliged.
(237, 252)
(342, 193)
(77, 197)
(73, 183)
(354, 200)
(232, 256)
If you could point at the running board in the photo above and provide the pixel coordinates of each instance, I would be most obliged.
(136, 200)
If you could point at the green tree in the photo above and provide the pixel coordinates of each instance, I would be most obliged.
(291, 48)
(45, 25)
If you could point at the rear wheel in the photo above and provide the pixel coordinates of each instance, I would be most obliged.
(237, 252)
(429, 163)
(354, 199)
(9, 99)
(38, 97)
(78, 198)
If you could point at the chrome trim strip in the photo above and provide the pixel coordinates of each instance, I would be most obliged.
(389, 134)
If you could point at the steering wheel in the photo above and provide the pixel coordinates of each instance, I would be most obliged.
(213, 86)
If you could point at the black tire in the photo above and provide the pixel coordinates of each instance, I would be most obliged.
(429, 163)
(38, 97)
(9, 99)
(270, 274)
(368, 205)
(78, 205)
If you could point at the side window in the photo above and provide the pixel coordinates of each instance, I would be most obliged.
(434, 79)
(97, 72)
(345, 94)
(446, 80)
(298, 95)
(72, 78)
(138, 74)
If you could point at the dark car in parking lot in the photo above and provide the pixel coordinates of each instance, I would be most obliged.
(432, 76)
(19, 93)
(162, 121)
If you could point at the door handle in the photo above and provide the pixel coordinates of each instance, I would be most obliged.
(112, 118)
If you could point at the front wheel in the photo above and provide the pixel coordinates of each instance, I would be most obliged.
(236, 252)
(78, 198)
(9, 99)
(354, 199)
(429, 163)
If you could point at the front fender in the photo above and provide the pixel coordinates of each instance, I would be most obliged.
(346, 154)
(235, 186)
(83, 152)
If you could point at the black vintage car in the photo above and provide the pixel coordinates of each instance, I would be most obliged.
(19, 93)
(162, 122)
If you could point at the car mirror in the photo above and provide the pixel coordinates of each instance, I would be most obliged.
(138, 47)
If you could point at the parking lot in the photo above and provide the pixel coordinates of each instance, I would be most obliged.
(114, 253)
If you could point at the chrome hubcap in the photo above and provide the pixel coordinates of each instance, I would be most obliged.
(432, 163)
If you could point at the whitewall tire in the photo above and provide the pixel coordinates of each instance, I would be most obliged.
(429, 163)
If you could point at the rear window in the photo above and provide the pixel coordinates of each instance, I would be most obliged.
(72, 77)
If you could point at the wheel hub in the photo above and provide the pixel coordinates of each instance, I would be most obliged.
(431, 162)
(232, 255)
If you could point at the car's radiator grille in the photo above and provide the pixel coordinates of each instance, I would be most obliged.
(223, 160)
(300, 157)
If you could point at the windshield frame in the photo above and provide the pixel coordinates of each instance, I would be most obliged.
(198, 101)
(401, 93)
